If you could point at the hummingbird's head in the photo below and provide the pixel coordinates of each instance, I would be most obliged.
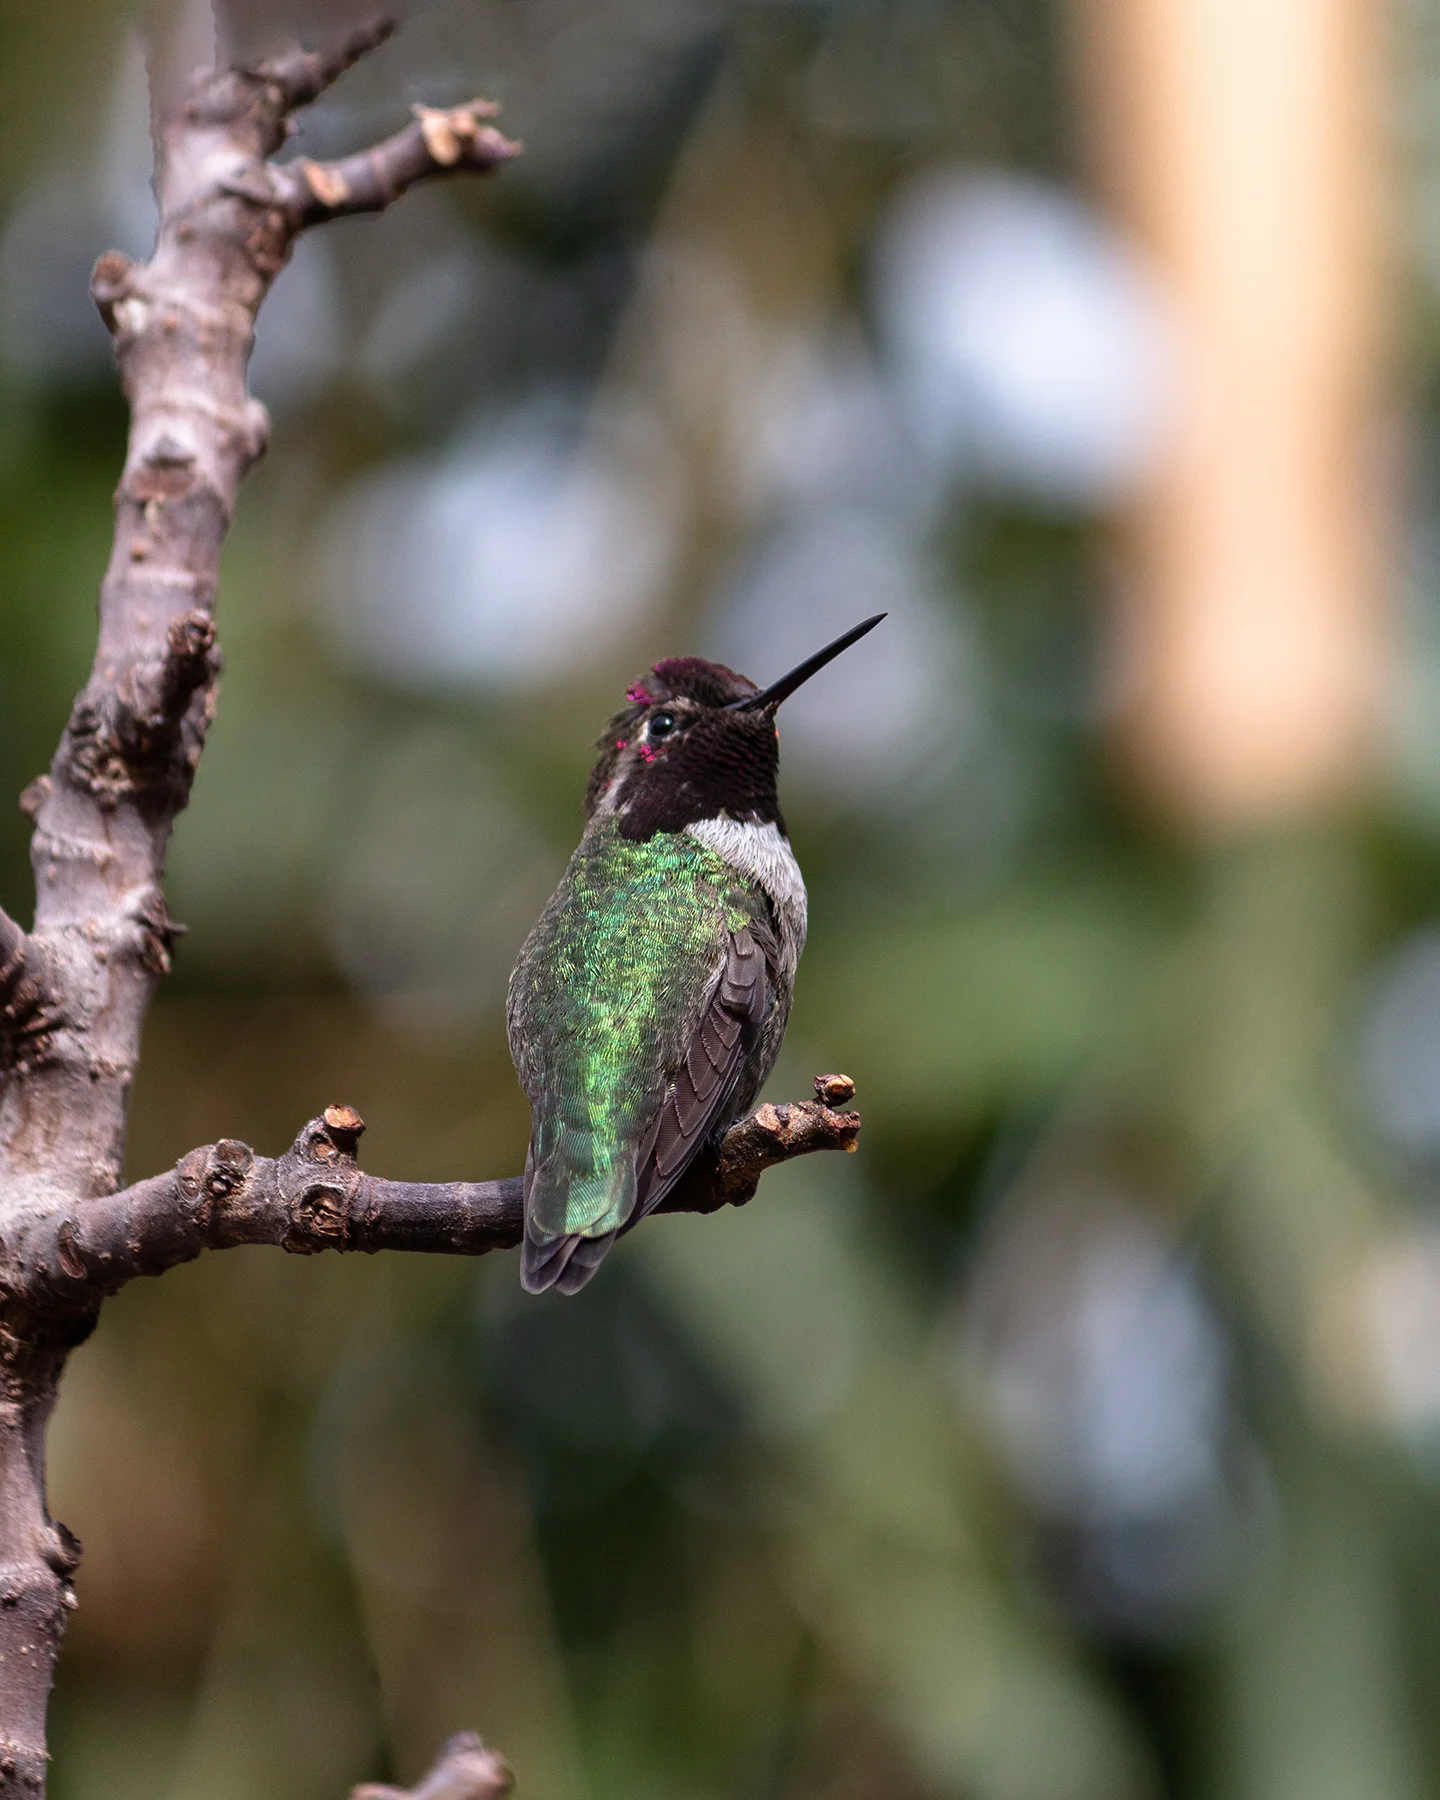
(696, 741)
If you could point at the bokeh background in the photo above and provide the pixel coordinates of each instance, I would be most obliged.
(1080, 1438)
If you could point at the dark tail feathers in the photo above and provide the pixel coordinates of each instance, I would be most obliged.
(565, 1263)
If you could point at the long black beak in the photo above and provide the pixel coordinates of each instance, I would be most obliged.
(769, 698)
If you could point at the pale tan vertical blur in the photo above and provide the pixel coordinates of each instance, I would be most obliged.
(1242, 142)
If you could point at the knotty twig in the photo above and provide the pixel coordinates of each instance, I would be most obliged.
(438, 142)
(74, 990)
(464, 1770)
(13, 945)
(24, 990)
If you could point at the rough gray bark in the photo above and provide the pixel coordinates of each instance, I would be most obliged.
(74, 990)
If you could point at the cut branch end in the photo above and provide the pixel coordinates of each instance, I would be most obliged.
(464, 1770)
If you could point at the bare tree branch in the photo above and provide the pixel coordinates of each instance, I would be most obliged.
(464, 1770)
(74, 991)
(183, 326)
(436, 144)
(316, 1197)
(770, 1135)
(303, 75)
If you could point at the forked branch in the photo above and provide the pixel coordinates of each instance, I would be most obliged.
(183, 325)
(74, 989)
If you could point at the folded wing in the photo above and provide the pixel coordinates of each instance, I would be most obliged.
(699, 1096)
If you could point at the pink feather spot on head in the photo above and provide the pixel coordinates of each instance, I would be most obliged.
(640, 694)
(646, 752)
(621, 743)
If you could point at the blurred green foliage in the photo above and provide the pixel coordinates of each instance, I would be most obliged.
(1047, 1451)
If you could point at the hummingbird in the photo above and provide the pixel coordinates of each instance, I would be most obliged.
(649, 1002)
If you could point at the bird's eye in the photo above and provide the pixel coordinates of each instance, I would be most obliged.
(661, 725)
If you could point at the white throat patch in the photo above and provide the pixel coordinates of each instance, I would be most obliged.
(761, 854)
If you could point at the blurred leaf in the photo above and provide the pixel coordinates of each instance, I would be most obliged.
(946, 1016)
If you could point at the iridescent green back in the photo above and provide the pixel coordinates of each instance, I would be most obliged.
(603, 1003)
